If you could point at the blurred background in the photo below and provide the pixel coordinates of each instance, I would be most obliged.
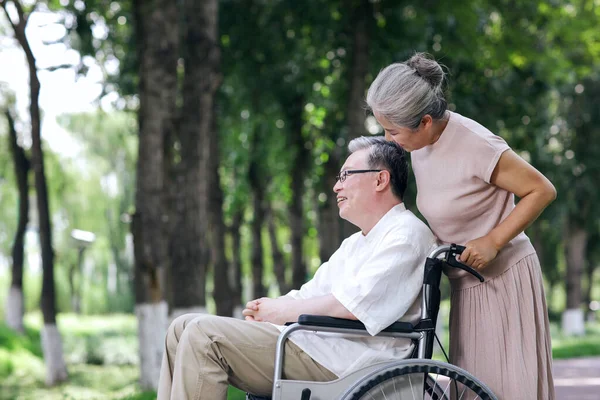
(159, 157)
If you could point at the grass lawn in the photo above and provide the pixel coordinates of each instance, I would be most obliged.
(580, 346)
(101, 353)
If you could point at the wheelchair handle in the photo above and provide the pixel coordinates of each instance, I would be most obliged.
(451, 251)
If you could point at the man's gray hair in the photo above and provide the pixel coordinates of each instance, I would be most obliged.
(405, 92)
(386, 155)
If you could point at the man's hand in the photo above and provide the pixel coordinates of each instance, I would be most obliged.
(266, 309)
(479, 252)
(287, 309)
(251, 309)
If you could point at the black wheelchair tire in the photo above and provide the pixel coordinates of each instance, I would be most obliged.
(407, 367)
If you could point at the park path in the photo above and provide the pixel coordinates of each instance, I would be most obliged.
(577, 378)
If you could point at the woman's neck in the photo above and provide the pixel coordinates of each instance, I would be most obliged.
(439, 126)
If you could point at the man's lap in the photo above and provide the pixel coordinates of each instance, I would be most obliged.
(247, 351)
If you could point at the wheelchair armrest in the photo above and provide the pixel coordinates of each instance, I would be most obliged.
(331, 322)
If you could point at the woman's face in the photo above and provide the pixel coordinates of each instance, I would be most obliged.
(407, 138)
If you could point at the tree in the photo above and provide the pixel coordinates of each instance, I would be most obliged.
(110, 144)
(580, 167)
(158, 42)
(224, 289)
(15, 304)
(200, 82)
(56, 370)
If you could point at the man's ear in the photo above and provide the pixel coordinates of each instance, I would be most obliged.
(383, 180)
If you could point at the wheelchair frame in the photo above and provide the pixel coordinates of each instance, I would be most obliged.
(423, 334)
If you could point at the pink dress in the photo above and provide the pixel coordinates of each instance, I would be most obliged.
(499, 329)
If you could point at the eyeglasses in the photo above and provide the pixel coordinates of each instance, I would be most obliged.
(344, 174)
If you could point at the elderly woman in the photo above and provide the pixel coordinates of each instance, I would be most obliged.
(467, 178)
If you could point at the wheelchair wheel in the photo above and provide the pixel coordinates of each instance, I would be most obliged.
(419, 379)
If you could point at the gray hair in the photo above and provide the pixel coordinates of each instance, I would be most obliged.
(405, 92)
(386, 155)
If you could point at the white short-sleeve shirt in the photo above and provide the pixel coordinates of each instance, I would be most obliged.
(378, 278)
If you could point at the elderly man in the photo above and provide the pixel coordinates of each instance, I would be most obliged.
(375, 277)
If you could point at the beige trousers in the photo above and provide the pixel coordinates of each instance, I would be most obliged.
(205, 353)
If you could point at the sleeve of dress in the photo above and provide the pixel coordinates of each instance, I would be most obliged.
(386, 285)
(486, 154)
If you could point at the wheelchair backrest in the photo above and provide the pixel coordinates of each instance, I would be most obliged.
(430, 304)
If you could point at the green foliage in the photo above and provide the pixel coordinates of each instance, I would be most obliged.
(96, 340)
(141, 396)
(19, 353)
(110, 45)
(235, 394)
(582, 346)
(98, 197)
(85, 382)
(29, 341)
(101, 354)
(97, 376)
(526, 70)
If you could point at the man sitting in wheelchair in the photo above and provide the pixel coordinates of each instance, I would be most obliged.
(375, 277)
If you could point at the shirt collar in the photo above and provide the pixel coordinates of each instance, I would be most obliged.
(382, 225)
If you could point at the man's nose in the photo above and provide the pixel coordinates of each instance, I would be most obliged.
(337, 187)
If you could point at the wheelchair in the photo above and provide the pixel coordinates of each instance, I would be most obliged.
(417, 377)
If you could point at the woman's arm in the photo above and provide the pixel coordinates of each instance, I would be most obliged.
(535, 191)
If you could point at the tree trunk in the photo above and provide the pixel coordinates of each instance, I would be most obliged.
(235, 273)
(329, 224)
(75, 281)
(257, 184)
(358, 70)
(222, 292)
(72, 289)
(172, 203)
(210, 57)
(537, 240)
(572, 320)
(300, 166)
(14, 302)
(592, 262)
(191, 247)
(355, 112)
(587, 299)
(157, 33)
(121, 266)
(279, 264)
(56, 370)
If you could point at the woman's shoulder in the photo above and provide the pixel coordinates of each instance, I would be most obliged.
(475, 133)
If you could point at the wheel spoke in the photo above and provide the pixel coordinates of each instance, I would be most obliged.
(382, 392)
(395, 389)
(411, 387)
(393, 379)
(447, 386)
(435, 383)
(463, 392)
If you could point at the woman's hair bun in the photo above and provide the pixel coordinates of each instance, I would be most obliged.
(427, 68)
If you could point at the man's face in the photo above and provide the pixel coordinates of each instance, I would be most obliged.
(355, 193)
